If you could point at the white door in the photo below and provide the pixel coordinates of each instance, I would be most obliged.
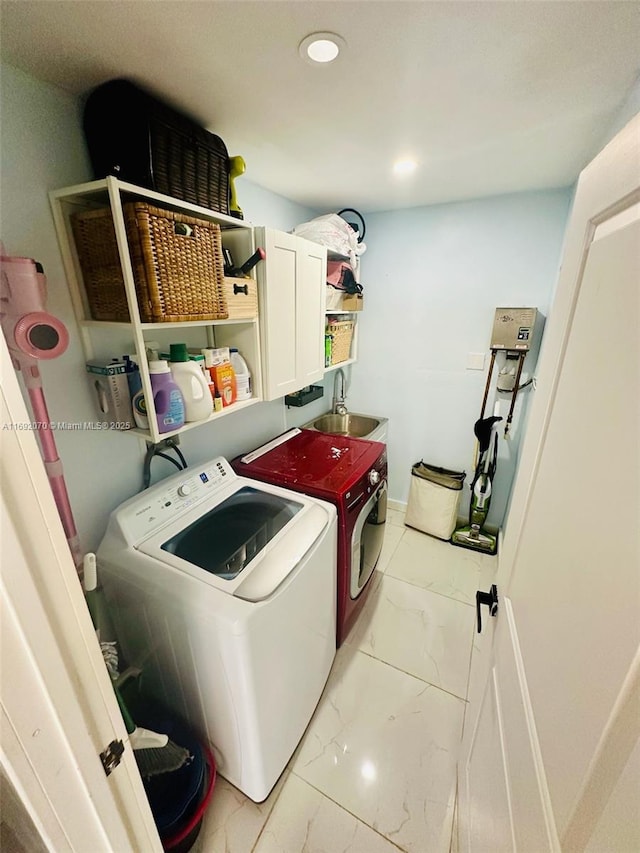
(58, 710)
(550, 759)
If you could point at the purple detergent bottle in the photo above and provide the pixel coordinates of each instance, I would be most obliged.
(167, 397)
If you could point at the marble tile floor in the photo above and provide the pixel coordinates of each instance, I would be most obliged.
(376, 769)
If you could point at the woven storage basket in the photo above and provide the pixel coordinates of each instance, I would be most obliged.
(341, 333)
(178, 276)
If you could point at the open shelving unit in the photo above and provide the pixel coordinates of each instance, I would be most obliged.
(330, 312)
(107, 339)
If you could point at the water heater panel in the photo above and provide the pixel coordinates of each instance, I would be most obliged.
(513, 329)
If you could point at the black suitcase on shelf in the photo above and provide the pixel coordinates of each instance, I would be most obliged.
(143, 141)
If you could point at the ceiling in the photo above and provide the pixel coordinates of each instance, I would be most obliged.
(488, 97)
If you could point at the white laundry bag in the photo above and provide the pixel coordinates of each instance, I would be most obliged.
(434, 498)
(335, 233)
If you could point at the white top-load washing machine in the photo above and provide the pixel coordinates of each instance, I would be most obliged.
(223, 590)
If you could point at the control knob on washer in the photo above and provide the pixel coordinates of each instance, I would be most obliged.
(374, 477)
(184, 490)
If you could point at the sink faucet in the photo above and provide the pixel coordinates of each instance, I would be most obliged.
(339, 407)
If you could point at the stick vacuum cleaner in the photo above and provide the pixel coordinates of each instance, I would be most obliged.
(33, 334)
(473, 535)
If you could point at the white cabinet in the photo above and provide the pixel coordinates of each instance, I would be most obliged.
(107, 339)
(291, 283)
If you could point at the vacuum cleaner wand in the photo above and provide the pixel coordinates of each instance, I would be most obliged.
(52, 462)
(33, 334)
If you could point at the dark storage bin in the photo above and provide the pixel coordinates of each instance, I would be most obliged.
(306, 395)
(141, 140)
(178, 799)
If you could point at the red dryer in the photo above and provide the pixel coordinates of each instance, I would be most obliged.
(350, 473)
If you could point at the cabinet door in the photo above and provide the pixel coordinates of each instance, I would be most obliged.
(291, 285)
(312, 279)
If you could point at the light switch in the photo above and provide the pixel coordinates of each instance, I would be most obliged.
(475, 361)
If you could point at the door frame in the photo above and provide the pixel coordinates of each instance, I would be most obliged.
(58, 707)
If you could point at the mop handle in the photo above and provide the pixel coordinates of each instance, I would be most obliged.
(52, 462)
(516, 387)
(486, 387)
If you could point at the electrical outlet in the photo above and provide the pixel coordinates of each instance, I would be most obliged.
(475, 361)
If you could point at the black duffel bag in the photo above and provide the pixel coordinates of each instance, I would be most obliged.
(141, 140)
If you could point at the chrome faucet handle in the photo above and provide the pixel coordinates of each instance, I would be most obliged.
(339, 407)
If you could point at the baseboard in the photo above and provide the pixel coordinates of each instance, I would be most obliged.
(399, 506)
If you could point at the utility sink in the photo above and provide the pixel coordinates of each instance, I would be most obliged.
(358, 426)
(351, 424)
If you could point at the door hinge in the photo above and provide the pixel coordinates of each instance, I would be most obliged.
(490, 599)
(111, 756)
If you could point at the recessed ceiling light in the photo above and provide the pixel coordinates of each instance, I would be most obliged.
(321, 47)
(404, 167)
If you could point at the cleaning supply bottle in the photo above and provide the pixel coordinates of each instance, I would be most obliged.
(190, 379)
(139, 406)
(168, 399)
(243, 376)
(328, 341)
(133, 375)
(207, 354)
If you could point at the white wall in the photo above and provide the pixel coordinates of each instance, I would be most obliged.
(432, 278)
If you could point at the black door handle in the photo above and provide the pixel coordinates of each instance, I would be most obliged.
(490, 599)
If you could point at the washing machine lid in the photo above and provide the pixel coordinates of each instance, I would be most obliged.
(225, 539)
(319, 463)
(246, 544)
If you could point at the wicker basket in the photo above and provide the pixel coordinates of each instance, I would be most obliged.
(341, 335)
(177, 264)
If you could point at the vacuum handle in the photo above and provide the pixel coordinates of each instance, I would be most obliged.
(490, 599)
(516, 388)
(258, 255)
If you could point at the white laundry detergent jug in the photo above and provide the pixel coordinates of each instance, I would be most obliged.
(243, 376)
(191, 381)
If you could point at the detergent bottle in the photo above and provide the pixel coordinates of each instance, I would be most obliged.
(139, 406)
(167, 397)
(243, 376)
(190, 380)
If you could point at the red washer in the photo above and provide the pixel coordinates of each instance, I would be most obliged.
(350, 473)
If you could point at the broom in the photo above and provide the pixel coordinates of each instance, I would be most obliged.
(154, 752)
